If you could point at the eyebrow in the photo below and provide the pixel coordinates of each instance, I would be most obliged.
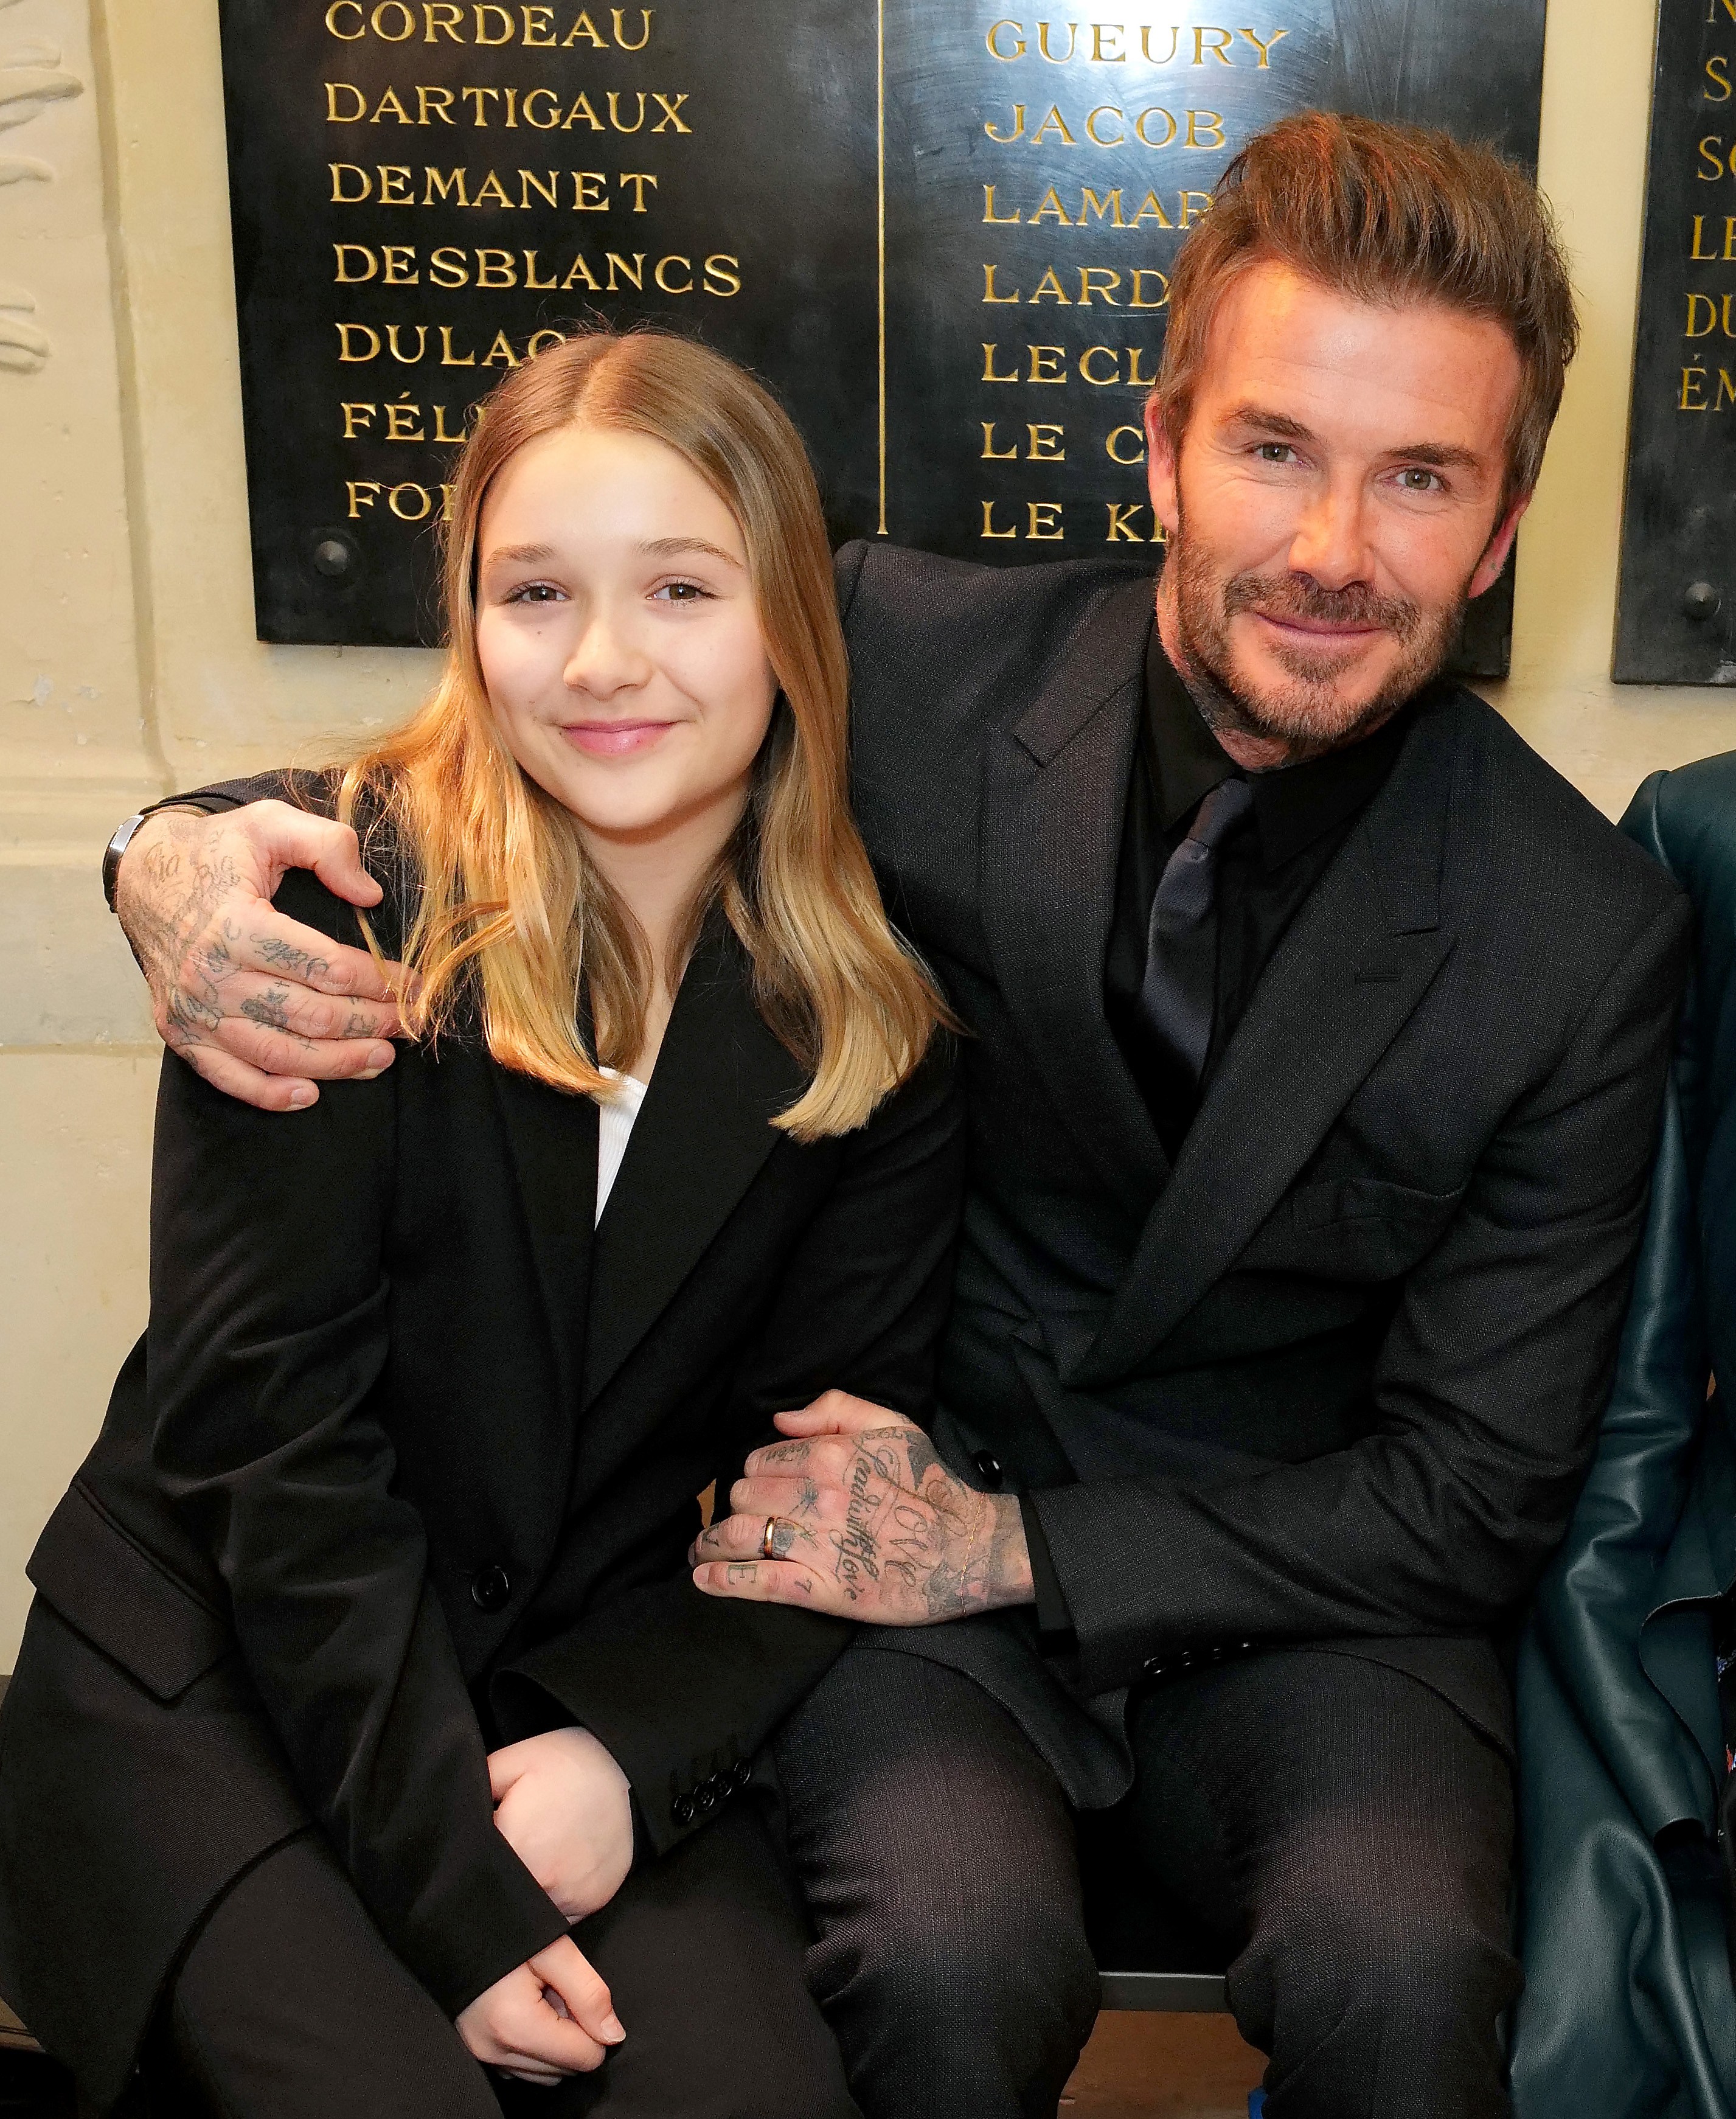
(1439, 456)
(517, 555)
(669, 548)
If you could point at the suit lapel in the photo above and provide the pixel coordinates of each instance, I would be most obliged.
(1356, 959)
(554, 1141)
(702, 1135)
(1053, 803)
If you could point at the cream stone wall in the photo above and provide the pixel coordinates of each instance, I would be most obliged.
(128, 663)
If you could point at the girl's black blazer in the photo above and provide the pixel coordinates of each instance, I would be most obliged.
(406, 1464)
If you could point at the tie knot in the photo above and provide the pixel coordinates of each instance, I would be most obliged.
(1220, 811)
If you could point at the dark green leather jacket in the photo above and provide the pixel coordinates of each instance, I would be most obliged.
(1628, 2011)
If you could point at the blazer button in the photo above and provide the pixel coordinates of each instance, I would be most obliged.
(743, 1773)
(1155, 1666)
(988, 1469)
(704, 1800)
(492, 1590)
(682, 1810)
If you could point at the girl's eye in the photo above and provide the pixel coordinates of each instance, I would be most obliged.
(535, 592)
(681, 592)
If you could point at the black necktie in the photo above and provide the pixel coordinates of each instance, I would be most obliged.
(1180, 987)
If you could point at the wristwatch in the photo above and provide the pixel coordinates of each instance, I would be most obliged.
(115, 848)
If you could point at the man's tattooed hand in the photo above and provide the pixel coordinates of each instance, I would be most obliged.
(866, 1521)
(259, 1004)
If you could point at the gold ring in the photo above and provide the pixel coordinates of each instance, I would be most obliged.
(766, 1550)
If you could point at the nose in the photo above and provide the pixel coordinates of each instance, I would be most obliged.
(1331, 543)
(604, 660)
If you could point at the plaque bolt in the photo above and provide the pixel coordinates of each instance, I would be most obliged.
(1699, 601)
(333, 558)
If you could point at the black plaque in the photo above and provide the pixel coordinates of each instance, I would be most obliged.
(941, 230)
(1676, 614)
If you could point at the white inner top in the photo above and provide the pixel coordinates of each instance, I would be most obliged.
(615, 1129)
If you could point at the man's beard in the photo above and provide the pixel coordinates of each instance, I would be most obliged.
(1306, 714)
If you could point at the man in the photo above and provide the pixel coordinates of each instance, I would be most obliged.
(1317, 1032)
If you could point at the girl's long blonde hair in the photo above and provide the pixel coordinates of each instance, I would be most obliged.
(508, 911)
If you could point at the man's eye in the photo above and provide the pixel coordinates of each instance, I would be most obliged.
(1274, 452)
(1414, 479)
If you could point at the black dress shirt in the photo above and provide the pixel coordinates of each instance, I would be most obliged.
(1302, 814)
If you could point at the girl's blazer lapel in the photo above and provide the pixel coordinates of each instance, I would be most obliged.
(700, 1138)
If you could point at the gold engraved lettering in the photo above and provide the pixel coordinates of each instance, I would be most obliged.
(448, 358)
(1220, 50)
(542, 124)
(540, 339)
(399, 261)
(357, 417)
(500, 354)
(1106, 208)
(398, 12)
(725, 268)
(581, 275)
(663, 266)
(508, 27)
(1050, 286)
(1141, 274)
(1102, 381)
(1121, 530)
(994, 50)
(638, 178)
(446, 18)
(585, 199)
(1042, 440)
(585, 27)
(1051, 209)
(1042, 360)
(334, 116)
(342, 195)
(989, 529)
(403, 358)
(1190, 212)
(634, 272)
(346, 8)
(437, 100)
(1152, 57)
(448, 267)
(1151, 209)
(989, 293)
(615, 113)
(991, 454)
(1045, 521)
(364, 492)
(480, 99)
(549, 193)
(1072, 35)
(1097, 280)
(404, 514)
(1136, 381)
(395, 178)
(512, 96)
(539, 27)
(1711, 152)
(1262, 45)
(389, 106)
(1213, 125)
(1718, 73)
(989, 375)
(1055, 123)
(645, 29)
(1115, 455)
(1693, 396)
(345, 276)
(581, 109)
(404, 422)
(1696, 304)
(670, 114)
(1100, 57)
(531, 278)
(1006, 139)
(1155, 111)
(496, 268)
(493, 192)
(364, 331)
(1096, 138)
(998, 220)
(440, 431)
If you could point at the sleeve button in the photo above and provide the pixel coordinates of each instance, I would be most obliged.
(491, 1589)
(743, 1775)
(988, 1469)
(682, 1810)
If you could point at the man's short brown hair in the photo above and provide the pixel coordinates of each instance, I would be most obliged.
(1392, 214)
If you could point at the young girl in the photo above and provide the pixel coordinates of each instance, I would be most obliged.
(368, 1725)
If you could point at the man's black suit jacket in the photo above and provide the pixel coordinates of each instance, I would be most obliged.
(1334, 1377)
(407, 1461)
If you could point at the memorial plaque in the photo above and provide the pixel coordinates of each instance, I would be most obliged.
(941, 231)
(1676, 614)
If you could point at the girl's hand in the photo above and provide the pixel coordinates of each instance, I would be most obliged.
(552, 2017)
(566, 1810)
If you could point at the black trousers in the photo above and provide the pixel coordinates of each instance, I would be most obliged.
(290, 2005)
(1340, 1826)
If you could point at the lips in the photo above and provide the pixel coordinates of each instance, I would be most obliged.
(614, 739)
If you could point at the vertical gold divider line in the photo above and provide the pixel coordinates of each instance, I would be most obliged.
(880, 179)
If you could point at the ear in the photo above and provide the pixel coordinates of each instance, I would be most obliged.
(1161, 473)
(1495, 552)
